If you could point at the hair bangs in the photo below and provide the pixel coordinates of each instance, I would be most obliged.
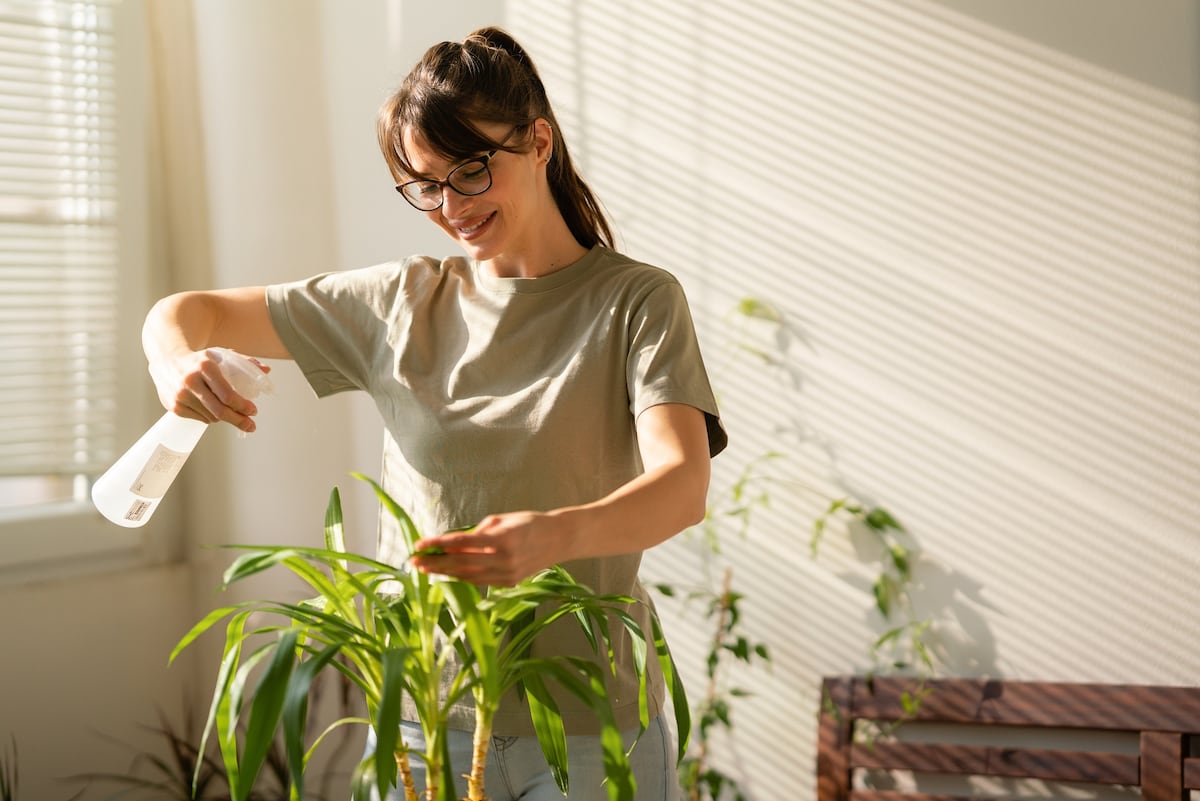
(441, 125)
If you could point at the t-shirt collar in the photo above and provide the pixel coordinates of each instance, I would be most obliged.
(544, 283)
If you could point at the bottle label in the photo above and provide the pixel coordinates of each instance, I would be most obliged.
(160, 470)
(138, 510)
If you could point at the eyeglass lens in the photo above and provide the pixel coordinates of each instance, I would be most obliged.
(469, 178)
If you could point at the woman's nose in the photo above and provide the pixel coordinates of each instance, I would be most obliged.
(454, 203)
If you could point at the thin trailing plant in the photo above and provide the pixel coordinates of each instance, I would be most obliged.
(733, 511)
(701, 779)
(902, 648)
(729, 515)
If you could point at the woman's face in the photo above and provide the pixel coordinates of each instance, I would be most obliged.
(501, 222)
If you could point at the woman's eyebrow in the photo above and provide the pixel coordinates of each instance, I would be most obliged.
(413, 175)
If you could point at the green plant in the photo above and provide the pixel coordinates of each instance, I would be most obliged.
(891, 588)
(728, 514)
(9, 775)
(764, 333)
(902, 647)
(396, 633)
(698, 776)
(183, 772)
(178, 769)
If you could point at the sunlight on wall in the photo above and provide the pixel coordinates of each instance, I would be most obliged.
(986, 253)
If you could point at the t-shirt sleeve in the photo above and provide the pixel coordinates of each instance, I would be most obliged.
(334, 324)
(665, 364)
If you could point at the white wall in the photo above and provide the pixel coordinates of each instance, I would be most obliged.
(980, 225)
(984, 236)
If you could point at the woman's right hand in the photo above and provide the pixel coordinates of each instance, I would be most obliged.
(192, 385)
(179, 336)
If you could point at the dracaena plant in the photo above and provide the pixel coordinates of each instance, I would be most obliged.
(397, 632)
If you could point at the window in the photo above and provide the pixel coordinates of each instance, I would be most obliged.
(72, 267)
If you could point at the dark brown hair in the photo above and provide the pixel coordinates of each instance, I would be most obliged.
(488, 78)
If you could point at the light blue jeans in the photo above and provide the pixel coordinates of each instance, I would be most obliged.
(517, 771)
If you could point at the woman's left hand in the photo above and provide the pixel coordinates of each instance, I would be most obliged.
(499, 552)
(667, 498)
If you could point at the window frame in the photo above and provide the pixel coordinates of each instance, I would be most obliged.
(64, 538)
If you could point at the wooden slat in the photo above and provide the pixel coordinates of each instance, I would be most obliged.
(1048, 704)
(1167, 720)
(897, 795)
(1006, 762)
(1162, 766)
(1191, 773)
(834, 732)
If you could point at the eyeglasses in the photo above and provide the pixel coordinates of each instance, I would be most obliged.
(469, 178)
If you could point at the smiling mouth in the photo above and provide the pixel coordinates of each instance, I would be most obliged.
(467, 231)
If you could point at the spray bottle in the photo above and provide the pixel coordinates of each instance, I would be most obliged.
(130, 491)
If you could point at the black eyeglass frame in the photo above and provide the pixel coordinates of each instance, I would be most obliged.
(449, 181)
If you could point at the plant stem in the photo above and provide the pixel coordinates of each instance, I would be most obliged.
(710, 693)
(433, 765)
(406, 775)
(480, 740)
(432, 775)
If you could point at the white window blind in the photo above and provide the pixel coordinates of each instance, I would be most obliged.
(58, 247)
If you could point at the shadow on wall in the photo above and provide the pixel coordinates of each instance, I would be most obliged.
(949, 600)
(988, 250)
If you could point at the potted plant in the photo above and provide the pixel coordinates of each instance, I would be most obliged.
(8, 773)
(396, 632)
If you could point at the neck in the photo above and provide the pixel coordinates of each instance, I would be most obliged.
(549, 247)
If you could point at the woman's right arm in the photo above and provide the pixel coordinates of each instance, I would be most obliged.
(176, 337)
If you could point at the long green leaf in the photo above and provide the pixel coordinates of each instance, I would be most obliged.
(229, 712)
(407, 527)
(671, 677)
(317, 554)
(255, 562)
(204, 625)
(229, 658)
(335, 539)
(639, 648)
(265, 711)
(387, 727)
(585, 681)
(323, 584)
(363, 780)
(295, 713)
(548, 726)
(464, 601)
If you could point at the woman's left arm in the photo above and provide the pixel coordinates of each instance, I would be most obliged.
(666, 498)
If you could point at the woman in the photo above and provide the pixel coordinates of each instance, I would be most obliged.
(545, 389)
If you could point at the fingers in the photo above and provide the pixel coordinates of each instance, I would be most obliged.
(491, 555)
(220, 398)
(195, 387)
(459, 557)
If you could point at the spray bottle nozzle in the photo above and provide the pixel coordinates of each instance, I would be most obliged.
(245, 374)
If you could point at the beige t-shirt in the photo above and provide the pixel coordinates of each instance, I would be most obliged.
(507, 394)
